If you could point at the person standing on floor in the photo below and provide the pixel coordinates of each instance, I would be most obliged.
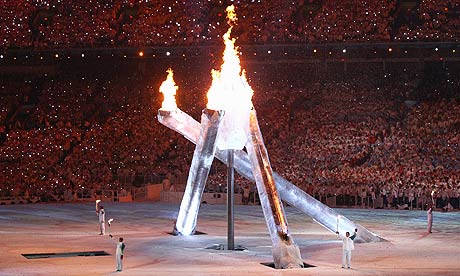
(429, 217)
(101, 217)
(98, 206)
(246, 191)
(119, 253)
(347, 247)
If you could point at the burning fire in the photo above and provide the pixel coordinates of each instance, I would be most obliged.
(229, 88)
(231, 92)
(169, 89)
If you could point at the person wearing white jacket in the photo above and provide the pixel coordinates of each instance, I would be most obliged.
(429, 217)
(347, 247)
(101, 216)
(119, 253)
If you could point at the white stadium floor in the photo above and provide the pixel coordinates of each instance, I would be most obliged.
(150, 250)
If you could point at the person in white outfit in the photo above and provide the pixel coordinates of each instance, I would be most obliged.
(98, 206)
(102, 220)
(119, 253)
(347, 247)
(429, 216)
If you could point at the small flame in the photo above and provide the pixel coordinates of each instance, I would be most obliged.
(97, 201)
(432, 193)
(169, 88)
(231, 15)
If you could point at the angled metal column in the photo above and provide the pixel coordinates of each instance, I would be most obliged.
(286, 253)
(325, 216)
(198, 174)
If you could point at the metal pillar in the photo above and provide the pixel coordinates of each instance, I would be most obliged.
(230, 201)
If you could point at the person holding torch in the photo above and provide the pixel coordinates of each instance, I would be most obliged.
(101, 217)
(120, 249)
(347, 247)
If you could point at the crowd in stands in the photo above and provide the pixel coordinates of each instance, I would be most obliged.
(365, 133)
(332, 133)
(432, 20)
(89, 23)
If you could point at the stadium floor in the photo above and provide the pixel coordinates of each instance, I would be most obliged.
(150, 250)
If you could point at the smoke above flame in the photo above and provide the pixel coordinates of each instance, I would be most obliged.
(169, 89)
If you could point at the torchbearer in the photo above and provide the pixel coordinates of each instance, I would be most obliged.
(98, 201)
(347, 247)
(119, 252)
(429, 217)
(102, 220)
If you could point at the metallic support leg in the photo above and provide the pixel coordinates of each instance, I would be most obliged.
(322, 214)
(199, 170)
(286, 254)
(230, 201)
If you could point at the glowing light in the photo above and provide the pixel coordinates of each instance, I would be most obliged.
(141, 54)
(169, 89)
(229, 88)
(110, 221)
(390, 49)
(230, 91)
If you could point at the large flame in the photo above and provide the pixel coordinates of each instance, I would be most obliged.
(169, 89)
(229, 88)
(231, 92)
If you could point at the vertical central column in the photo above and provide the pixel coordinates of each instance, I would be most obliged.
(230, 201)
(199, 171)
(285, 252)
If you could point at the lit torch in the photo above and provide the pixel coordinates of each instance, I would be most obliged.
(97, 205)
(109, 222)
